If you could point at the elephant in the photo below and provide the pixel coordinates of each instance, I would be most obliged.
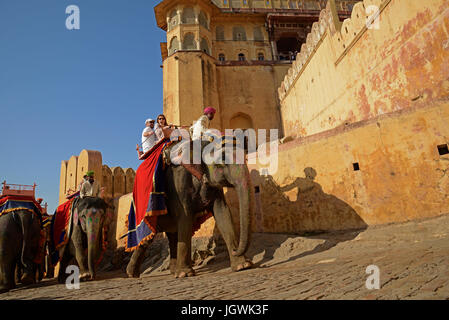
(20, 237)
(44, 268)
(184, 203)
(86, 237)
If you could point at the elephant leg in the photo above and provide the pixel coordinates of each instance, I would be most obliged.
(80, 255)
(7, 275)
(133, 268)
(29, 249)
(173, 244)
(10, 250)
(18, 273)
(65, 260)
(184, 247)
(49, 269)
(223, 218)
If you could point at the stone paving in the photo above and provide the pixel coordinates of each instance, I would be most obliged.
(413, 259)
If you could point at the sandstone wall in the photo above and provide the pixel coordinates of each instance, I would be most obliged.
(347, 73)
(115, 181)
(387, 169)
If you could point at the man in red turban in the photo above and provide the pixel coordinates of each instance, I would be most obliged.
(203, 123)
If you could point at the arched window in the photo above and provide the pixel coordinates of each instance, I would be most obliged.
(188, 16)
(290, 4)
(221, 57)
(173, 20)
(202, 19)
(204, 46)
(238, 33)
(219, 33)
(241, 121)
(241, 57)
(174, 46)
(260, 56)
(189, 42)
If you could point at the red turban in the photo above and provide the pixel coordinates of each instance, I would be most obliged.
(209, 110)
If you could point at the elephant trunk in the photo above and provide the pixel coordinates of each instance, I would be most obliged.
(243, 191)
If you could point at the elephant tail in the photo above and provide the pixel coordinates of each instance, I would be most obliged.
(26, 221)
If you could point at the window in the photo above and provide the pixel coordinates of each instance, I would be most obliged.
(174, 46)
(202, 19)
(219, 31)
(238, 33)
(188, 16)
(173, 20)
(258, 35)
(260, 56)
(241, 57)
(443, 149)
(189, 42)
(221, 57)
(204, 46)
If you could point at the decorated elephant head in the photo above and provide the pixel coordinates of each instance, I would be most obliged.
(91, 215)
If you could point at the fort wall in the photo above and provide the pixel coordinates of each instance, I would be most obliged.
(347, 73)
(372, 147)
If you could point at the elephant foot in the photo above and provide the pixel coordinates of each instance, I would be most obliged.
(27, 279)
(189, 272)
(132, 271)
(241, 265)
(5, 288)
(86, 277)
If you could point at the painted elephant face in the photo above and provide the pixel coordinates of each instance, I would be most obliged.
(91, 219)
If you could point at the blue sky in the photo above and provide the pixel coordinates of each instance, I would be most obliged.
(63, 91)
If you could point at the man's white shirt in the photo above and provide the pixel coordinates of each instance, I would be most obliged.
(148, 142)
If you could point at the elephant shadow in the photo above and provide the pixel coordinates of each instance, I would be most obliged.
(292, 221)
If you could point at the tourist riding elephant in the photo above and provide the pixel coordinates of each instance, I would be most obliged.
(184, 203)
(86, 239)
(20, 237)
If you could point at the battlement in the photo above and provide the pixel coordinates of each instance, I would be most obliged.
(116, 181)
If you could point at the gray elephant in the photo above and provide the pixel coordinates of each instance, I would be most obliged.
(20, 242)
(44, 268)
(184, 203)
(86, 238)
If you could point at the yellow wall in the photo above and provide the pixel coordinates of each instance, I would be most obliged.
(250, 90)
(63, 181)
(401, 176)
(89, 160)
(359, 73)
(71, 181)
(114, 181)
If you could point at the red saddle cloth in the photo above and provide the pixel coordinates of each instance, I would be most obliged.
(61, 221)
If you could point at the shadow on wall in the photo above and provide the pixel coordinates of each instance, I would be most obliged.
(300, 207)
